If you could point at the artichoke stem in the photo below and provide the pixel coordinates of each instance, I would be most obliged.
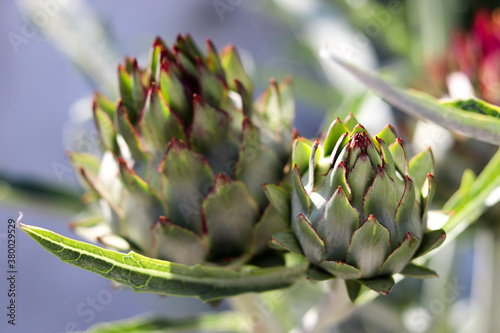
(336, 307)
(258, 317)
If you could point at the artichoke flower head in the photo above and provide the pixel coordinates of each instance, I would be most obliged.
(358, 207)
(185, 153)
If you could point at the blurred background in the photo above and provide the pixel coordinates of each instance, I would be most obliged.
(56, 53)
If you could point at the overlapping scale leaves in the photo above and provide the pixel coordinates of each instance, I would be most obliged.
(358, 207)
(185, 153)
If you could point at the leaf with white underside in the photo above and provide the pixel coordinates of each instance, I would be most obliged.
(475, 105)
(145, 274)
(483, 127)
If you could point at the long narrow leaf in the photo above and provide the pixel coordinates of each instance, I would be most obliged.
(209, 322)
(145, 274)
(417, 104)
(481, 194)
(38, 193)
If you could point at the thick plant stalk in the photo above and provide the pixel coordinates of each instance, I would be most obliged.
(482, 284)
(258, 318)
(334, 309)
(495, 305)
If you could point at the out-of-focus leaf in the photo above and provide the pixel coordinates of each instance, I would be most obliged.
(145, 274)
(473, 198)
(208, 322)
(309, 90)
(393, 32)
(417, 104)
(32, 192)
(462, 194)
(77, 30)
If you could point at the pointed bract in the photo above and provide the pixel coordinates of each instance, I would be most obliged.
(286, 240)
(174, 93)
(355, 197)
(299, 191)
(169, 238)
(421, 165)
(369, 247)
(381, 201)
(335, 132)
(430, 241)
(263, 230)
(312, 245)
(382, 285)
(337, 225)
(253, 158)
(209, 126)
(399, 156)
(229, 202)
(301, 152)
(104, 124)
(130, 134)
(353, 289)
(350, 121)
(234, 70)
(189, 181)
(280, 199)
(341, 269)
(388, 134)
(418, 272)
(158, 123)
(398, 259)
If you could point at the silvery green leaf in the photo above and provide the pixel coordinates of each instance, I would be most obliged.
(483, 127)
(145, 274)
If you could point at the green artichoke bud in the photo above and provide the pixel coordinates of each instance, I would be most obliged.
(358, 208)
(185, 153)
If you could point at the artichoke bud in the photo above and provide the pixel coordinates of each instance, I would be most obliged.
(185, 153)
(358, 207)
